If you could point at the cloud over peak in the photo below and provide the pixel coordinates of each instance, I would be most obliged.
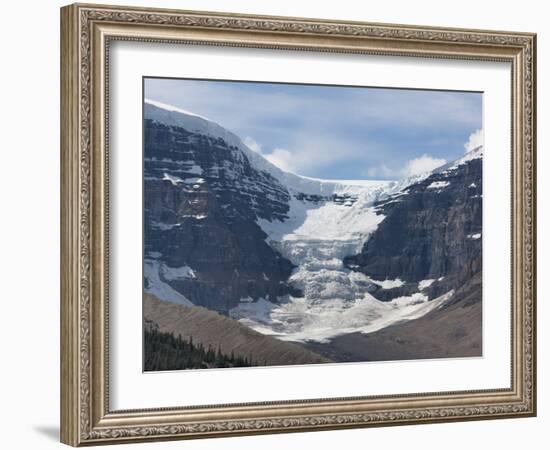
(422, 164)
(474, 141)
(252, 144)
(279, 157)
(415, 166)
(282, 158)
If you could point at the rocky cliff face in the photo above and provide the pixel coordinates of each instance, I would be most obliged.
(432, 231)
(201, 200)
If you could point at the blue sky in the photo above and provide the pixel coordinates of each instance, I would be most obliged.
(335, 132)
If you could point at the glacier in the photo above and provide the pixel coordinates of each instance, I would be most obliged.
(316, 238)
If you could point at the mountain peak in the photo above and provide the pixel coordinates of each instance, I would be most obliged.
(168, 107)
(472, 154)
(173, 116)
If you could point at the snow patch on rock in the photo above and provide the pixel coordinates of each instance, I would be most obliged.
(424, 284)
(177, 273)
(389, 284)
(438, 184)
(157, 286)
(172, 179)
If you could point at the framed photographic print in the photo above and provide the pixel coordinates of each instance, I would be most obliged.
(276, 224)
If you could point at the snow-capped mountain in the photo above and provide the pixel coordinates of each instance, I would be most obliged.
(299, 258)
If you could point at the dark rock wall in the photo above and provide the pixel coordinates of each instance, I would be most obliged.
(204, 217)
(427, 233)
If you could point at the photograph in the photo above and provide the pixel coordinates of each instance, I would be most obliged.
(294, 224)
(284, 221)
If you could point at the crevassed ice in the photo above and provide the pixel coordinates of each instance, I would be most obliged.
(299, 320)
(316, 237)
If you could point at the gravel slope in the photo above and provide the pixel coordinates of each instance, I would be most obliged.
(211, 328)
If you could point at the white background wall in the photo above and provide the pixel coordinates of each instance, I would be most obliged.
(29, 236)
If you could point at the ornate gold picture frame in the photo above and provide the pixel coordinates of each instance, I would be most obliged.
(87, 32)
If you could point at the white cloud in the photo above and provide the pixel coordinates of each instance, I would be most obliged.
(474, 141)
(307, 152)
(252, 144)
(424, 163)
(282, 158)
(415, 166)
(381, 171)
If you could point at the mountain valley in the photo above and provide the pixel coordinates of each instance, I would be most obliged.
(351, 270)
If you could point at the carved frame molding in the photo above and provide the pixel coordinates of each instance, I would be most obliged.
(86, 31)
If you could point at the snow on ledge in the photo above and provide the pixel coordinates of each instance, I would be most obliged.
(389, 284)
(177, 273)
(424, 284)
(172, 179)
(438, 184)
